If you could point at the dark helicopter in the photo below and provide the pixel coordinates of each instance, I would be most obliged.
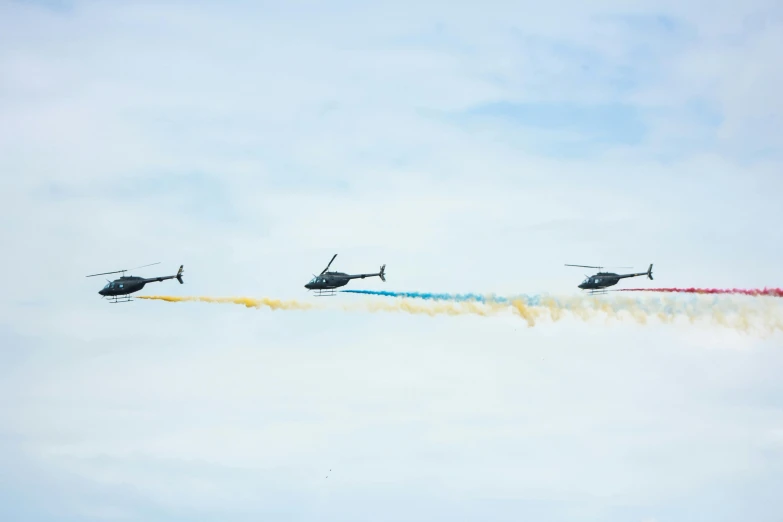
(326, 282)
(600, 281)
(118, 290)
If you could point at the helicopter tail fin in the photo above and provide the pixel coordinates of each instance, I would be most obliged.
(382, 273)
(649, 272)
(179, 274)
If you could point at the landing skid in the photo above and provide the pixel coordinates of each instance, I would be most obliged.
(120, 299)
(326, 293)
(598, 292)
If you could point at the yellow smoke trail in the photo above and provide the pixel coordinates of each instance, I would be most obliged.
(249, 302)
(761, 314)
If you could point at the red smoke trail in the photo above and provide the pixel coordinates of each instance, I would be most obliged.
(773, 292)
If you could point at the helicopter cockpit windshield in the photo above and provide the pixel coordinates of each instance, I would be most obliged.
(586, 281)
(107, 285)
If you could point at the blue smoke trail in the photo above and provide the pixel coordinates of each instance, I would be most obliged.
(430, 296)
(530, 300)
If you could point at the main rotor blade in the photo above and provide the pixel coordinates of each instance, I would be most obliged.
(600, 267)
(330, 264)
(120, 271)
(106, 273)
(143, 266)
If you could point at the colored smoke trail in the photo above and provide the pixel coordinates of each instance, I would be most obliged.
(431, 296)
(276, 304)
(755, 292)
(762, 316)
(249, 302)
(742, 316)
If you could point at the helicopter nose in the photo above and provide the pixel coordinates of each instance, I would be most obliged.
(102, 292)
(308, 286)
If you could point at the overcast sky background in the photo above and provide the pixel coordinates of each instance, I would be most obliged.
(472, 147)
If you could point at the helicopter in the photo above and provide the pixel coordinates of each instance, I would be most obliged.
(325, 283)
(119, 290)
(598, 283)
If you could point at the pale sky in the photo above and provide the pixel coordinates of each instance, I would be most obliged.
(471, 147)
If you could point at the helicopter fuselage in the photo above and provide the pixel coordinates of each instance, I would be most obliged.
(129, 284)
(325, 282)
(606, 279)
(123, 286)
(331, 280)
(601, 280)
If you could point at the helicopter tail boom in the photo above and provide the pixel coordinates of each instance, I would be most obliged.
(381, 274)
(178, 277)
(648, 273)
